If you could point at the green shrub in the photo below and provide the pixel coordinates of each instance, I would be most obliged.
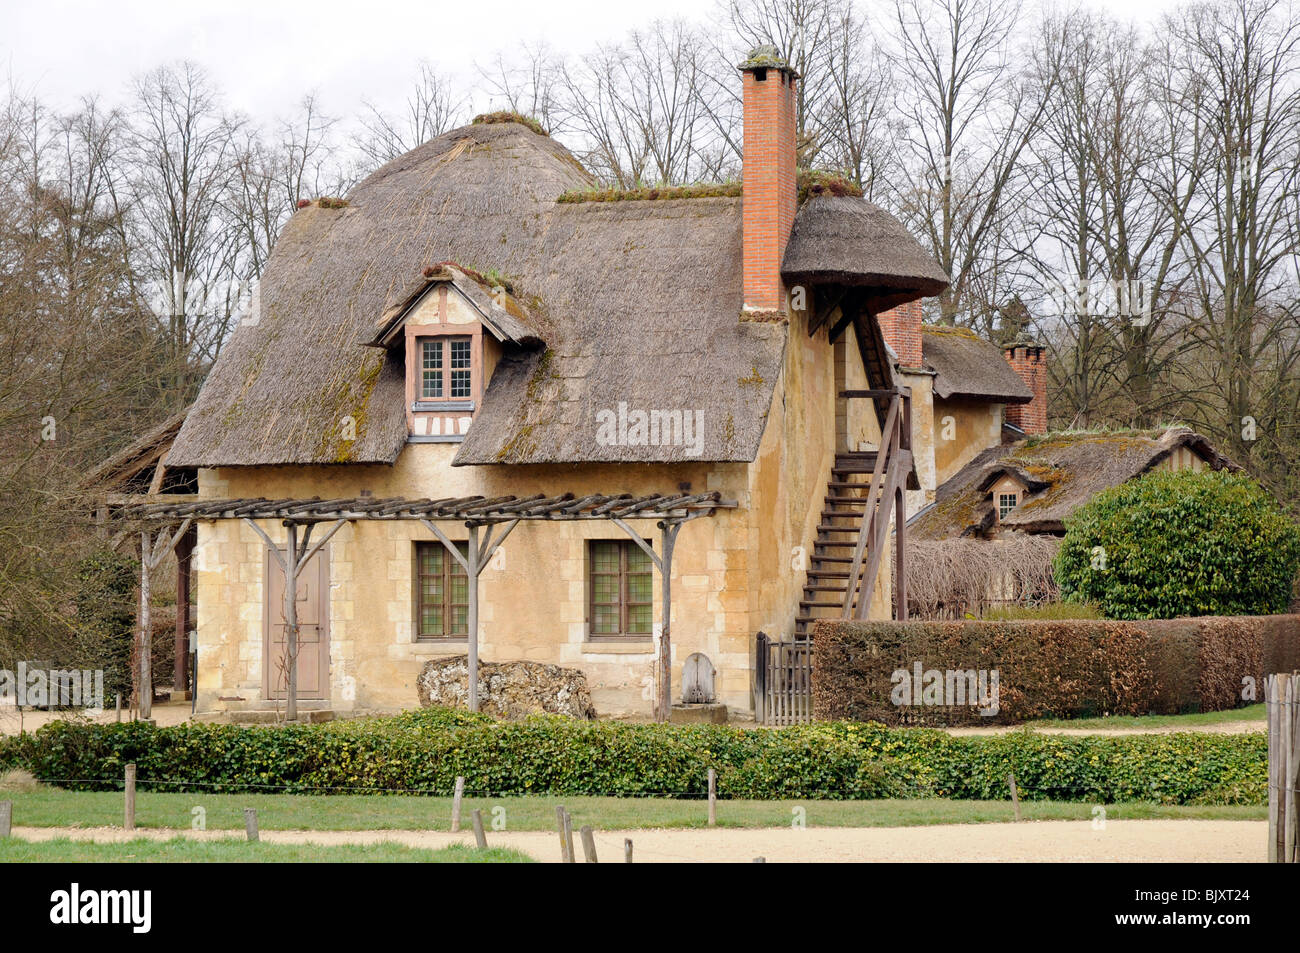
(424, 752)
(1180, 544)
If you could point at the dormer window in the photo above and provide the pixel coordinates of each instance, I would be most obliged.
(453, 325)
(1006, 503)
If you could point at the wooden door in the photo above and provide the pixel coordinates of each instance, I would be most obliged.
(313, 630)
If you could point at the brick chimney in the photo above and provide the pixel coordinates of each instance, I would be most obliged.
(769, 175)
(901, 328)
(1026, 359)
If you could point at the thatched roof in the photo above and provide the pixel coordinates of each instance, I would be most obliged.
(966, 365)
(638, 303)
(1061, 472)
(131, 469)
(849, 241)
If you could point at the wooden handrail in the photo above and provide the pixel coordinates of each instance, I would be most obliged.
(888, 435)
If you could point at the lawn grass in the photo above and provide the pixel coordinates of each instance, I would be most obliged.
(1141, 722)
(52, 807)
(181, 850)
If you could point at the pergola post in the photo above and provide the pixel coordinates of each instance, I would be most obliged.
(668, 535)
(663, 561)
(144, 691)
(471, 623)
(472, 562)
(153, 548)
(184, 557)
(292, 562)
(291, 621)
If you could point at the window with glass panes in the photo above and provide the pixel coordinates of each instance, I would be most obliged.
(1006, 503)
(446, 368)
(441, 593)
(621, 582)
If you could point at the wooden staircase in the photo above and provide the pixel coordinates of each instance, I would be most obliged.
(853, 532)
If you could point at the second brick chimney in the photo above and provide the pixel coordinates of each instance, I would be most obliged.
(769, 175)
(1026, 359)
(901, 328)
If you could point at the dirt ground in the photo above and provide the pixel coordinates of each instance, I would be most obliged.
(1049, 841)
(12, 721)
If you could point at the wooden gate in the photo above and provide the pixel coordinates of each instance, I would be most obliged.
(783, 681)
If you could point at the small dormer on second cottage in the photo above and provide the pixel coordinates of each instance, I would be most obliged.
(452, 325)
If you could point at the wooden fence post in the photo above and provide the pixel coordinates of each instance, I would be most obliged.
(588, 844)
(570, 855)
(250, 824)
(1282, 703)
(713, 797)
(128, 820)
(480, 838)
(627, 850)
(564, 845)
(7, 817)
(1015, 795)
(760, 678)
(455, 804)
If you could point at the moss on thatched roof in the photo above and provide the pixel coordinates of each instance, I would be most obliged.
(1062, 471)
(654, 193)
(506, 116)
(811, 183)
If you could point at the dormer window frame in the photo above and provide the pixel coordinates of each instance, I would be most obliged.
(447, 369)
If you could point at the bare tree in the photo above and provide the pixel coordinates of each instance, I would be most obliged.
(528, 82)
(968, 110)
(1237, 73)
(433, 106)
(184, 150)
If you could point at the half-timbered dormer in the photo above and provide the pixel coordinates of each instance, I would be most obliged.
(452, 328)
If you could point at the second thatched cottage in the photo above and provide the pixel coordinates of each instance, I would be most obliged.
(497, 396)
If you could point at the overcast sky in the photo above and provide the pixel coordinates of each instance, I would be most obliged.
(265, 54)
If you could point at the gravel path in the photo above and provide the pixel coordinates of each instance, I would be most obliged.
(1056, 841)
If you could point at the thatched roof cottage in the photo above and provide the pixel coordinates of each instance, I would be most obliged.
(479, 401)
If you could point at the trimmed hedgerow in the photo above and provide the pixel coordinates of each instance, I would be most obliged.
(1061, 668)
(423, 752)
(1180, 544)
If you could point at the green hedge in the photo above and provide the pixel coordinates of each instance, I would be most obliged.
(1062, 668)
(424, 751)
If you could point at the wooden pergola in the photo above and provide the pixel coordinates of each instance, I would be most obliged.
(498, 515)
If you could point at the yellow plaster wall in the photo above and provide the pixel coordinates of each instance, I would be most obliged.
(963, 428)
